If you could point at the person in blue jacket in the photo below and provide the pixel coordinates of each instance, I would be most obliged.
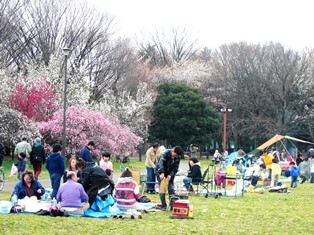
(85, 152)
(294, 173)
(55, 166)
(28, 186)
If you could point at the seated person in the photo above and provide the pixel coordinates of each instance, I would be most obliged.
(194, 175)
(256, 173)
(71, 167)
(28, 186)
(72, 196)
(94, 180)
(126, 191)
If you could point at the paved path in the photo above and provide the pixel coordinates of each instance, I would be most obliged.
(9, 186)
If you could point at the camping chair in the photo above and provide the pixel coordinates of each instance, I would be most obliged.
(204, 182)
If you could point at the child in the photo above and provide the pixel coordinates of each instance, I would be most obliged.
(21, 165)
(294, 173)
(106, 164)
(127, 191)
(276, 172)
(257, 173)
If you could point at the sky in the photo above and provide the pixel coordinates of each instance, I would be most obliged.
(216, 22)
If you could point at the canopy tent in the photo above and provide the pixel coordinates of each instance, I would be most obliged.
(277, 138)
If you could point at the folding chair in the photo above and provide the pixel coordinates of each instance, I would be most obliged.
(204, 182)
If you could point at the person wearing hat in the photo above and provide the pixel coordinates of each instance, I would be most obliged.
(38, 156)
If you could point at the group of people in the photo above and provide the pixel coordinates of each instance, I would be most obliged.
(84, 180)
(35, 154)
(302, 167)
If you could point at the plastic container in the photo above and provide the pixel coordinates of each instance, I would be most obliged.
(5, 207)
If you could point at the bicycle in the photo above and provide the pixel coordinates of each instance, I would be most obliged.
(1, 178)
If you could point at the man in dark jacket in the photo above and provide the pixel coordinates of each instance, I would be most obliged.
(38, 156)
(55, 166)
(94, 180)
(2, 150)
(85, 152)
(167, 168)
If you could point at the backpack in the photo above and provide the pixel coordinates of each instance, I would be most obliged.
(37, 159)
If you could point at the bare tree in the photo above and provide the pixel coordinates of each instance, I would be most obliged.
(162, 49)
(267, 86)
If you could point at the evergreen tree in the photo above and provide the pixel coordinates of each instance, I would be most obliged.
(181, 116)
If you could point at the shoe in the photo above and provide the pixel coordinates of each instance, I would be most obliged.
(160, 207)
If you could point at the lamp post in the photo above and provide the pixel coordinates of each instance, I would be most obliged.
(224, 110)
(66, 52)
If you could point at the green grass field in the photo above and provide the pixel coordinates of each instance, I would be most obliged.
(269, 213)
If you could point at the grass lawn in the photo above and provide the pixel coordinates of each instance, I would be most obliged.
(269, 213)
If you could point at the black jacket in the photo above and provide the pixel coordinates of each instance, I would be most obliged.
(93, 179)
(167, 164)
(38, 151)
(195, 174)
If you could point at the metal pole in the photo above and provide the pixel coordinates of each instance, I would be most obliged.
(225, 130)
(64, 105)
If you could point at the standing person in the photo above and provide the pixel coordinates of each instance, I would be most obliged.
(23, 147)
(276, 172)
(267, 158)
(294, 173)
(55, 167)
(152, 157)
(2, 151)
(167, 168)
(72, 196)
(21, 165)
(38, 157)
(194, 176)
(299, 159)
(106, 164)
(28, 186)
(305, 171)
(85, 152)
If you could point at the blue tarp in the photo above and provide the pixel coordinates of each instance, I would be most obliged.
(231, 157)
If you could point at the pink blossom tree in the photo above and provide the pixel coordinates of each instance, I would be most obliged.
(84, 125)
(36, 100)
